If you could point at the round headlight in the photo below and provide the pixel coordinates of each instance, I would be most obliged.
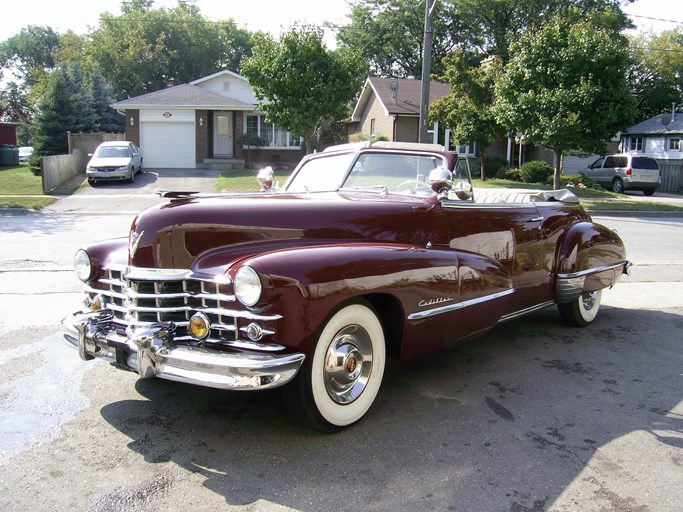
(82, 265)
(248, 286)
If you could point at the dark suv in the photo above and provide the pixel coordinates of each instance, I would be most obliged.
(626, 172)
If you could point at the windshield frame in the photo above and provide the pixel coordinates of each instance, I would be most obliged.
(342, 177)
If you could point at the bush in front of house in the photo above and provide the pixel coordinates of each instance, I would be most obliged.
(508, 173)
(494, 165)
(535, 171)
(574, 181)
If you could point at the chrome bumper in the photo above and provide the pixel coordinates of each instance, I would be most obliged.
(569, 287)
(149, 350)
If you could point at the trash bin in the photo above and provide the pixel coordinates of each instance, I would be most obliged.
(9, 155)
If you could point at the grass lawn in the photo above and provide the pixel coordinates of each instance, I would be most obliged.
(245, 180)
(20, 188)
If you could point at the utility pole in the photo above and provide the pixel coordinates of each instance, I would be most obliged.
(426, 71)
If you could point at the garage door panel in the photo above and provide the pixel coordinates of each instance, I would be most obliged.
(168, 145)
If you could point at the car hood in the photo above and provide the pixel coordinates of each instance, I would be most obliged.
(108, 162)
(205, 233)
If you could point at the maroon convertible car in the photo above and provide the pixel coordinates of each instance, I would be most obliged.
(367, 251)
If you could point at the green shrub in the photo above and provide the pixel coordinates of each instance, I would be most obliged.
(535, 171)
(574, 181)
(508, 173)
(494, 165)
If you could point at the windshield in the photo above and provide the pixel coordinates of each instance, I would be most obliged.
(393, 172)
(321, 174)
(112, 152)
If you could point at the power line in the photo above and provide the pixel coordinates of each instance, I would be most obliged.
(655, 19)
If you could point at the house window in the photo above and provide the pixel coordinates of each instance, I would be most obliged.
(274, 136)
(674, 144)
(372, 126)
(466, 149)
(636, 144)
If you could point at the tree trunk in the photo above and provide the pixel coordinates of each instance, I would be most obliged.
(557, 182)
(482, 167)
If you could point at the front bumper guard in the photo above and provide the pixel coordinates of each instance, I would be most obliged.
(149, 350)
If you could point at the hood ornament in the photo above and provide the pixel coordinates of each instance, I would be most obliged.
(134, 241)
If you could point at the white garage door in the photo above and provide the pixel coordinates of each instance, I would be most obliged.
(167, 145)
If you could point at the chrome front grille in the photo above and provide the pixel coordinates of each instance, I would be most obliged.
(146, 296)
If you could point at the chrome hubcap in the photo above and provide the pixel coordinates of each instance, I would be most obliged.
(348, 363)
(588, 300)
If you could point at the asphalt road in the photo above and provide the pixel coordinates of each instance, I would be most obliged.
(532, 416)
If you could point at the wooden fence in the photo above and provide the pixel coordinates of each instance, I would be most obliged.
(672, 178)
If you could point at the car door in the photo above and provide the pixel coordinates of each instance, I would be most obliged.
(136, 156)
(594, 170)
(508, 235)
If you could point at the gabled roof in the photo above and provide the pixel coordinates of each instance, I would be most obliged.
(659, 125)
(406, 99)
(224, 72)
(183, 96)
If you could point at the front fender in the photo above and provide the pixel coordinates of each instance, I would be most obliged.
(305, 285)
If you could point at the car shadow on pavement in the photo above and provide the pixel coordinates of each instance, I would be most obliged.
(529, 416)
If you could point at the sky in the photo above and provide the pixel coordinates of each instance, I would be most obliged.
(272, 16)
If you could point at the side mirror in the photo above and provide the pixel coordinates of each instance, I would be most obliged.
(441, 180)
(265, 178)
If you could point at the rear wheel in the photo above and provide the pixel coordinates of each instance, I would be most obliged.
(581, 311)
(618, 185)
(340, 379)
(648, 192)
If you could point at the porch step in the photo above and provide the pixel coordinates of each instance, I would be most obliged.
(222, 164)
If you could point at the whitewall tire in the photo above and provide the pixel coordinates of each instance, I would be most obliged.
(583, 310)
(342, 375)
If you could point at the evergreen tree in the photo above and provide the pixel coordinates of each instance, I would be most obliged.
(101, 94)
(56, 116)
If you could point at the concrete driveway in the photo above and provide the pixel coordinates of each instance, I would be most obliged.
(122, 198)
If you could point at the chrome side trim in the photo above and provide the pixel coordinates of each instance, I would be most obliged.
(460, 305)
(526, 311)
(584, 273)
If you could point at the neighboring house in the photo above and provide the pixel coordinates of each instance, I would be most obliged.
(390, 107)
(199, 125)
(660, 137)
(8, 133)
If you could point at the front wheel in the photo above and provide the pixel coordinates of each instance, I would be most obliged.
(341, 377)
(581, 311)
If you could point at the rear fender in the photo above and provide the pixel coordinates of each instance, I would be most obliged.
(589, 257)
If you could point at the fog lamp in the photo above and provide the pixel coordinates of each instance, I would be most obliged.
(199, 327)
(97, 303)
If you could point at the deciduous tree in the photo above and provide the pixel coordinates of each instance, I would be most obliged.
(468, 109)
(300, 83)
(565, 87)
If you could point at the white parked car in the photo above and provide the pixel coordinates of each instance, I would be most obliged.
(116, 160)
(626, 172)
(24, 153)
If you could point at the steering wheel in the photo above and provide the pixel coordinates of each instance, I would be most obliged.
(413, 186)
